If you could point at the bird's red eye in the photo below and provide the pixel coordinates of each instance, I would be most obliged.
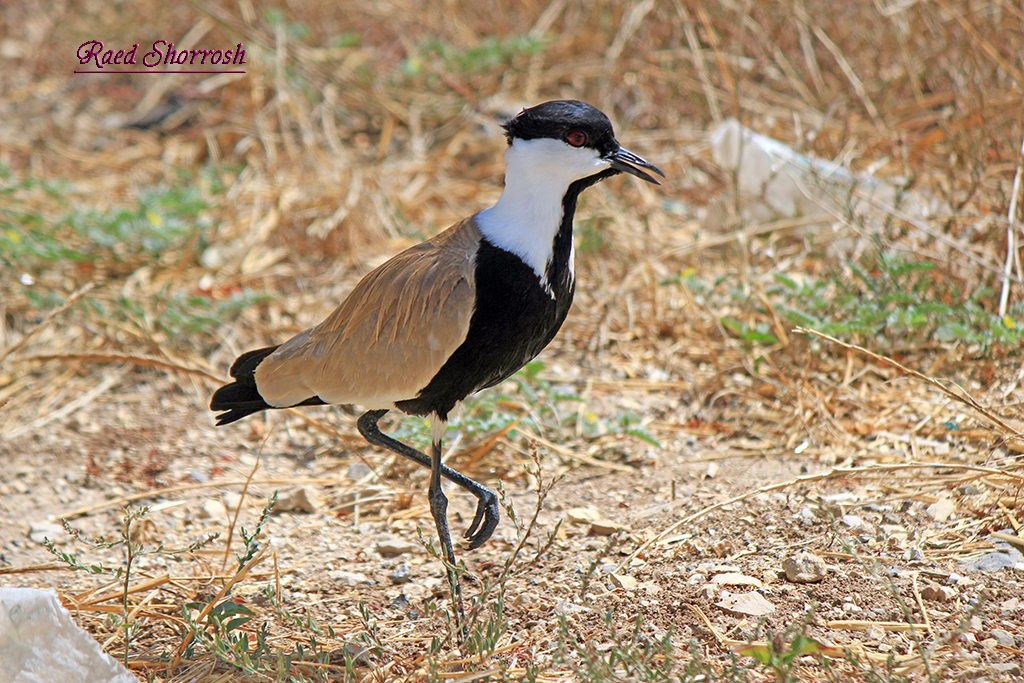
(576, 138)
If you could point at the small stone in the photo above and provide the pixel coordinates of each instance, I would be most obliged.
(851, 608)
(976, 623)
(895, 531)
(939, 593)
(303, 499)
(709, 591)
(348, 500)
(583, 515)
(392, 547)
(349, 578)
(624, 581)
(232, 500)
(525, 601)
(748, 604)
(40, 531)
(855, 522)
(358, 470)
(990, 643)
(734, 579)
(804, 567)
(1011, 605)
(606, 527)
(1008, 669)
(608, 568)
(913, 554)
(400, 575)
(212, 509)
(565, 608)
(874, 632)
(1003, 637)
(941, 510)
(992, 562)
(199, 476)
(697, 578)
(400, 603)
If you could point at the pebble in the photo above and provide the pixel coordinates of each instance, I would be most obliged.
(606, 527)
(1003, 637)
(941, 510)
(358, 470)
(525, 601)
(392, 547)
(565, 608)
(938, 593)
(347, 501)
(624, 581)
(583, 515)
(400, 575)
(709, 591)
(913, 554)
(734, 579)
(232, 500)
(992, 562)
(748, 604)
(855, 522)
(874, 632)
(40, 531)
(349, 578)
(212, 509)
(1010, 605)
(1007, 668)
(804, 567)
(303, 499)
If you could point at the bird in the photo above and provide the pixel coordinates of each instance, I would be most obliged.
(453, 315)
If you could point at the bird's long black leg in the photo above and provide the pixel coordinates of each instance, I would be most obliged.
(487, 511)
(439, 510)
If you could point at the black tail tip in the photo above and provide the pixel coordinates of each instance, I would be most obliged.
(235, 401)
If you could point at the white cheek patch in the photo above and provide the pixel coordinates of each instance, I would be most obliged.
(528, 215)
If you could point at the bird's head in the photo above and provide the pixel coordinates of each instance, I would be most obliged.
(571, 140)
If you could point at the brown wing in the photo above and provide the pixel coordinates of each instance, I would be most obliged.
(390, 336)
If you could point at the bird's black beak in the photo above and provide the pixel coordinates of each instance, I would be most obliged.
(625, 161)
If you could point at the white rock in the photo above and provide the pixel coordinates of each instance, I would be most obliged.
(734, 579)
(40, 642)
(304, 499)
(349, 578)
(941, 510)
(625, 581)
(583, 515)
(392, 547)
(804, 567)
(213, 509)
(750, 604)
(40, 531)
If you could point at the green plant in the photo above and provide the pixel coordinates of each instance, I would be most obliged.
(132, 549)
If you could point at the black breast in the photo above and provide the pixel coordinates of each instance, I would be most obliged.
(514, 319)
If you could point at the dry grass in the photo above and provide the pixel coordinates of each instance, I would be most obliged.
(360, 128)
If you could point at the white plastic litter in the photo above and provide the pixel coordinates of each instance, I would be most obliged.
(39, 643)
(775, 181)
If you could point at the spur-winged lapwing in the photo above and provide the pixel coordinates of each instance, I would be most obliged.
(455, 314)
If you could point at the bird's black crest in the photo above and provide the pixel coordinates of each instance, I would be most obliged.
(558, 118)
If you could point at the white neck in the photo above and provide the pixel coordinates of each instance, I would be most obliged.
(528, 214)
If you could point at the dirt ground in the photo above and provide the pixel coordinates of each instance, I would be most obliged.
(665, 463)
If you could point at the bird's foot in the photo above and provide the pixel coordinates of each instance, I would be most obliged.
(485, 520)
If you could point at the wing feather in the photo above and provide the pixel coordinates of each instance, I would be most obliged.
(390, 336)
